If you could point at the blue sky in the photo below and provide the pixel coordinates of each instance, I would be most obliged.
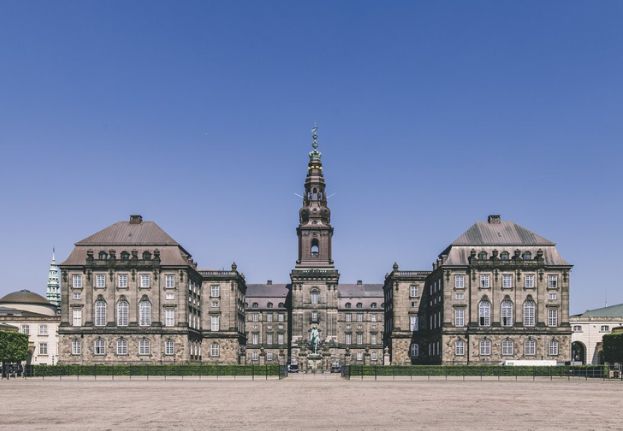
(432, 115)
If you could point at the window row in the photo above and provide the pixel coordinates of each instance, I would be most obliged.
(144, 281)
(359, 317)
(122, 314)
(507, 347)
(348, 338)
(507, 281)
(506, 314)
(257, 317)
(43, 329)
(99, 346)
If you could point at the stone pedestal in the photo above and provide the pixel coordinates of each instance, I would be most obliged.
(386, 360)
(302, 362)
(314, 363)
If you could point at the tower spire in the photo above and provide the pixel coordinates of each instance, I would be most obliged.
(314, 154)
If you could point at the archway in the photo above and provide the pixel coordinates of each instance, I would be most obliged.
(578, 352)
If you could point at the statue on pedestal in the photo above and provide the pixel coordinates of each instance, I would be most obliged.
(314, 339)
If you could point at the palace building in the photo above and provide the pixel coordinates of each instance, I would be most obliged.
(131, 293)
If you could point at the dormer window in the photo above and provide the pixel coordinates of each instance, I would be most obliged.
(504, 255)
(526, 255)
(125, 255)
(146, 255)
(482, 255)
(347, 305)
(359, 305)
(103, 255)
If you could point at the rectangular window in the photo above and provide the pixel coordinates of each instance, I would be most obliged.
(459, 317)
(169, 347)
(507, 281)
(76, 281)
(215, 323)
(372, 317)
(269, 356)
(372, 338)
(122, 281)
(359, 338)
(314, 316)
(348, 317)
(412, 291)
(529, 281)
(169, 317)
(169, 281)
(269, 338)
(255, 338)
(76, 294)
(76, 317)
(215, 350)
(143, 347)
(459, 281)
(122, 347)
(553, 348)
(360, 356)
(604, 328)
(254, 356)
(413, 322)
(43, 329)
(552, 296)
(373, 356)
(459, 348)
(348, 338)
(145, 281)
(100, 281)
(552, 317)
(269, 317)
(280, 317)
(169, 296)
(359, 317)
(254, 317)
(484, 281)
(43, 348)
(215, 291)
(280, 339)
(459, 295)
(552, 281)
(76, 347)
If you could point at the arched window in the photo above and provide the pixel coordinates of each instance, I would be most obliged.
(215, 350)
(125, 255)
(144, 346)
(315, 296)
(347, 305)
(507, 312)
(122, 346)
(122, 312)
(459, 347)
(507, 347)
(314, 194)
(553, 348)
(482, 255)
(99, 348)
(144, 313)
(485, 347)
(146, 255)
(281, 305)
(254, 305)
(100, 312)
(315, 247)
(269, 305)
(526, 255)
(103, 255)
(484, 313)
(359, 305)
(373, 305)
(529, 312)
(504, 255)
(529, 349)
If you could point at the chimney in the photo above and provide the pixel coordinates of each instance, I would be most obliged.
(136, 219)
(269, 282)
(494, 219)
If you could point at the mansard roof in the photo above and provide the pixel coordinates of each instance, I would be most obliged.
(610, 311)
(267, 290)
(360, 290)
(135, 232)
(498, 232)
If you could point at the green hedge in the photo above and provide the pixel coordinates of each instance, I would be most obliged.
(475, 370)
(153, 370)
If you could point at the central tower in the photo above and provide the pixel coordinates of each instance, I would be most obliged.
(314, 277)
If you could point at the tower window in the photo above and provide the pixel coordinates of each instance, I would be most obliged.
(315, 248)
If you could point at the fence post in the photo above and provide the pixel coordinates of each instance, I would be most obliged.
(266, 370)
(375, 373)
(361, 372)
(252, 371)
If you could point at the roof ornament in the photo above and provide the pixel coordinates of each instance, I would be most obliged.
(315, 154)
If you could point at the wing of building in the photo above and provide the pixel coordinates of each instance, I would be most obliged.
(589, 329)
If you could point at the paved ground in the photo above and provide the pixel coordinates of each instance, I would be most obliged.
(306, 403)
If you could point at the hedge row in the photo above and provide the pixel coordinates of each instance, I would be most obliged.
(153, 370)
(475, 370)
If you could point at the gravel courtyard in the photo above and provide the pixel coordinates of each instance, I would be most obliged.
(308, 402)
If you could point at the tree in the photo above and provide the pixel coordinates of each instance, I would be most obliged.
(613, 348)
(13, 346)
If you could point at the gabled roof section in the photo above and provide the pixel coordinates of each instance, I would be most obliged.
(610, 311)
(498, 232)
(130, 233)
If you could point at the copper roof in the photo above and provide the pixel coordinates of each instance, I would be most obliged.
(610, 311)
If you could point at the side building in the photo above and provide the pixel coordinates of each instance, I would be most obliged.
(499, 292)
(267, 323)
(589, 329)
(131, 293)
